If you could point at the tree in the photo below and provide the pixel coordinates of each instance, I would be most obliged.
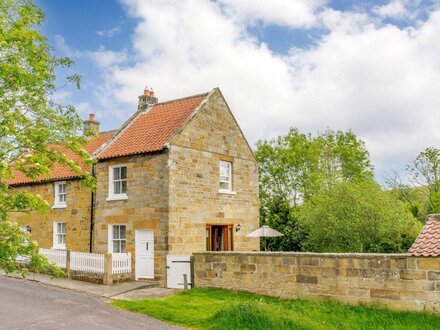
(424, 174)
(410, 196)
(357, 217)
(35, 132)
(284, 218)
(295, 167)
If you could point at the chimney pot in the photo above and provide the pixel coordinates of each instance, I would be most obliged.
(147, 99)
(91, 124)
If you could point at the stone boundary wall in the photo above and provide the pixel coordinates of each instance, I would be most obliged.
(98, 278)
(392, 280)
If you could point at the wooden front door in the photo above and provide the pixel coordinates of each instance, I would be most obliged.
(219, 238)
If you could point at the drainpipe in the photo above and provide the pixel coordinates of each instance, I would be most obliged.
(92, 213)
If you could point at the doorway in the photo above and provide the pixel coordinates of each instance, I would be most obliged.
(219, 238)
(144, 244)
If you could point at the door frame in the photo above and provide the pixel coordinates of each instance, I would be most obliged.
(135, 253)
(227, 230)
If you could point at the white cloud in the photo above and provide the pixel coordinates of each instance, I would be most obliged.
(298, 13)
(393, 9)
(109, 33)
(379, 80)
(104, 58)
(83, 109)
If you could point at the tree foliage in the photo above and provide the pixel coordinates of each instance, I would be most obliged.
(357, 217)
(284, 218)
(424, 173)
(421, 193)
(35, 132)
(295, 167)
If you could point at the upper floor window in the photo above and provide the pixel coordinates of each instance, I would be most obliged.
(60, 194)
(225, 176)
(59, 235)
(117, 182)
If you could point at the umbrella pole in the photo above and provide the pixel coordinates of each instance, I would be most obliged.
(267, 245)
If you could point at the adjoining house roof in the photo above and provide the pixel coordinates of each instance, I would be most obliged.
(150, 130)
(60, 172)
(146, 131)
(427, 244)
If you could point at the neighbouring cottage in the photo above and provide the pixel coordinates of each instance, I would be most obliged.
(427, 244)
(178, 177)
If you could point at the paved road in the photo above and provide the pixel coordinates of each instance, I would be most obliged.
(30, 305)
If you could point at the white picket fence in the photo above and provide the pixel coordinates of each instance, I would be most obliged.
(87, 262)
(58, 257)
(121, 263)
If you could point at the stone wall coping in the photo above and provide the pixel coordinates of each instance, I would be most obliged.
(305, 254)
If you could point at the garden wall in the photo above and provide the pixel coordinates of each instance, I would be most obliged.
(393, 280)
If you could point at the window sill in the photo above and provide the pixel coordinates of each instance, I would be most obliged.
(227, 192)
(58, 247)
(59, 206)
(117, 198)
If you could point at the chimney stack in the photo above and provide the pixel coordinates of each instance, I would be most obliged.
(91, 124)
(147, 99)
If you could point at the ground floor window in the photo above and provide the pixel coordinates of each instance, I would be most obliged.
(59, 235)
(118, 238)
(219, 238)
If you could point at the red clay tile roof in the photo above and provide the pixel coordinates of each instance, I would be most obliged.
(60, 172)
(427, 244)
(152, 129)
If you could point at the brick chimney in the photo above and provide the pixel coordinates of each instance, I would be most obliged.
(147, 99)
(91, 124)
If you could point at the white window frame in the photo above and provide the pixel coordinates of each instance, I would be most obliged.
(229, 190)
(56, 234)
(111, 239)
(25, 229)
(57, 204)
(111, 192)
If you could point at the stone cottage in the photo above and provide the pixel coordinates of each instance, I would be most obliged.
(178, 177)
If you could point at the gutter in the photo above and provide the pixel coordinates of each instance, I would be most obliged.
(92, 213)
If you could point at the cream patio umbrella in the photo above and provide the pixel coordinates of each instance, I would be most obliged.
(265, 231)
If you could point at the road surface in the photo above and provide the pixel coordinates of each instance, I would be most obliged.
(31, 305)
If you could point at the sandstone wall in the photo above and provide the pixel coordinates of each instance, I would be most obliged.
(210, 136)
(393, 280)
(145, 208)
(76, 215)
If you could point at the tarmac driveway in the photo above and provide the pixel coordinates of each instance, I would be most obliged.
(31, 305)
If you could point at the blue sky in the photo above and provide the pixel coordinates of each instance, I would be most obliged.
(368, 66)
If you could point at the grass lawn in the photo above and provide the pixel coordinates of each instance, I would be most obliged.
(223, 309)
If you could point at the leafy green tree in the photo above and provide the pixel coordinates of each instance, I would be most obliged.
(412, 197)
(35, 133)
(295, 167)
(424, 174)
(284, 218)
(357, 217)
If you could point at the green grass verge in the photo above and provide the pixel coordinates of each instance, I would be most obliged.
(224, 309)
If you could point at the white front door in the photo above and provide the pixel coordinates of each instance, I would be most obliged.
(144, 254)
